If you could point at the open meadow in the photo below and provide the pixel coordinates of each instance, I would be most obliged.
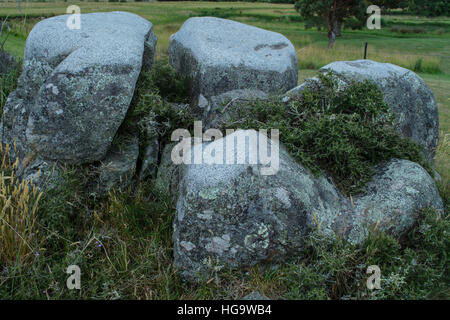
(127, 260)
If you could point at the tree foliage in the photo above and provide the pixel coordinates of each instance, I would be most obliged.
(331, 14)
(430, 8)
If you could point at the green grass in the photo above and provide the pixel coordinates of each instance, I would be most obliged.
(123, 243)
(124, 249)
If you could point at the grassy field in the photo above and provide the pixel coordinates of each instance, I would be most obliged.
(125, 242)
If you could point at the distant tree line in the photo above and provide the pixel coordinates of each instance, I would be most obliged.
(429, 8)
(267, 1)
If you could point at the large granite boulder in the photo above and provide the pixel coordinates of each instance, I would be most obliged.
(220, 55)
(233, 215)
(76, 85)
(405, 92)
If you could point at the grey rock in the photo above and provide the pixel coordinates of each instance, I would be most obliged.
(119, 165)
(150, 159)
(223, 107)
(392, 200)
(255, 295)
(310, 84)
(233, 215)
(220, 55)
(298, 90)
(76, 85)
(45, 175)
(405, 92)
(168, 174)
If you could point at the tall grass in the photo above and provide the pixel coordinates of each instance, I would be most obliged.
(19, 201)
(442, 163)
(314, 57)
(8, 83)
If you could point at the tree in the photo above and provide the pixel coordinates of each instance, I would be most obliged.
(332, 14)
(391, 4)
(430, 8)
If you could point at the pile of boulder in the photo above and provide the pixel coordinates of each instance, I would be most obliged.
(75, 90)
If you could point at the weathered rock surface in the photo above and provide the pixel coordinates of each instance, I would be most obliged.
(150, 159)
(76, 85)
(44, 174)
(119, 165)
(232, 215)
(406, 94)
(221, 55)
(392, 200)
(219, 109)
(255, 295)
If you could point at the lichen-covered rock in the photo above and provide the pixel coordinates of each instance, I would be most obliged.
(232, 216)
(255, 295)
(76, 85)
(45, 175)
(405, 92)
(220, 55)
(216, 111)
(392, 200)
(168, 174)
(119, 165)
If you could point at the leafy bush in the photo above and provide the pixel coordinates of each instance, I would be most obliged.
(159, 102)
(163, 80)
(430, 8)
(344, 132)
(414, 268)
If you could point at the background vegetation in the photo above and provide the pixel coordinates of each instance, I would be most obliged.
(123, 243)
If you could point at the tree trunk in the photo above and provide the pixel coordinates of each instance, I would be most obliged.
(337, 28)
(331, 38)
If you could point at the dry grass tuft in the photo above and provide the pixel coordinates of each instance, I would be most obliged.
(18, 205)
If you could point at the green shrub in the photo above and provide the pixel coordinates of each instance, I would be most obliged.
(414, 268)
(164, 80)
(342, 132)
(159, 104)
